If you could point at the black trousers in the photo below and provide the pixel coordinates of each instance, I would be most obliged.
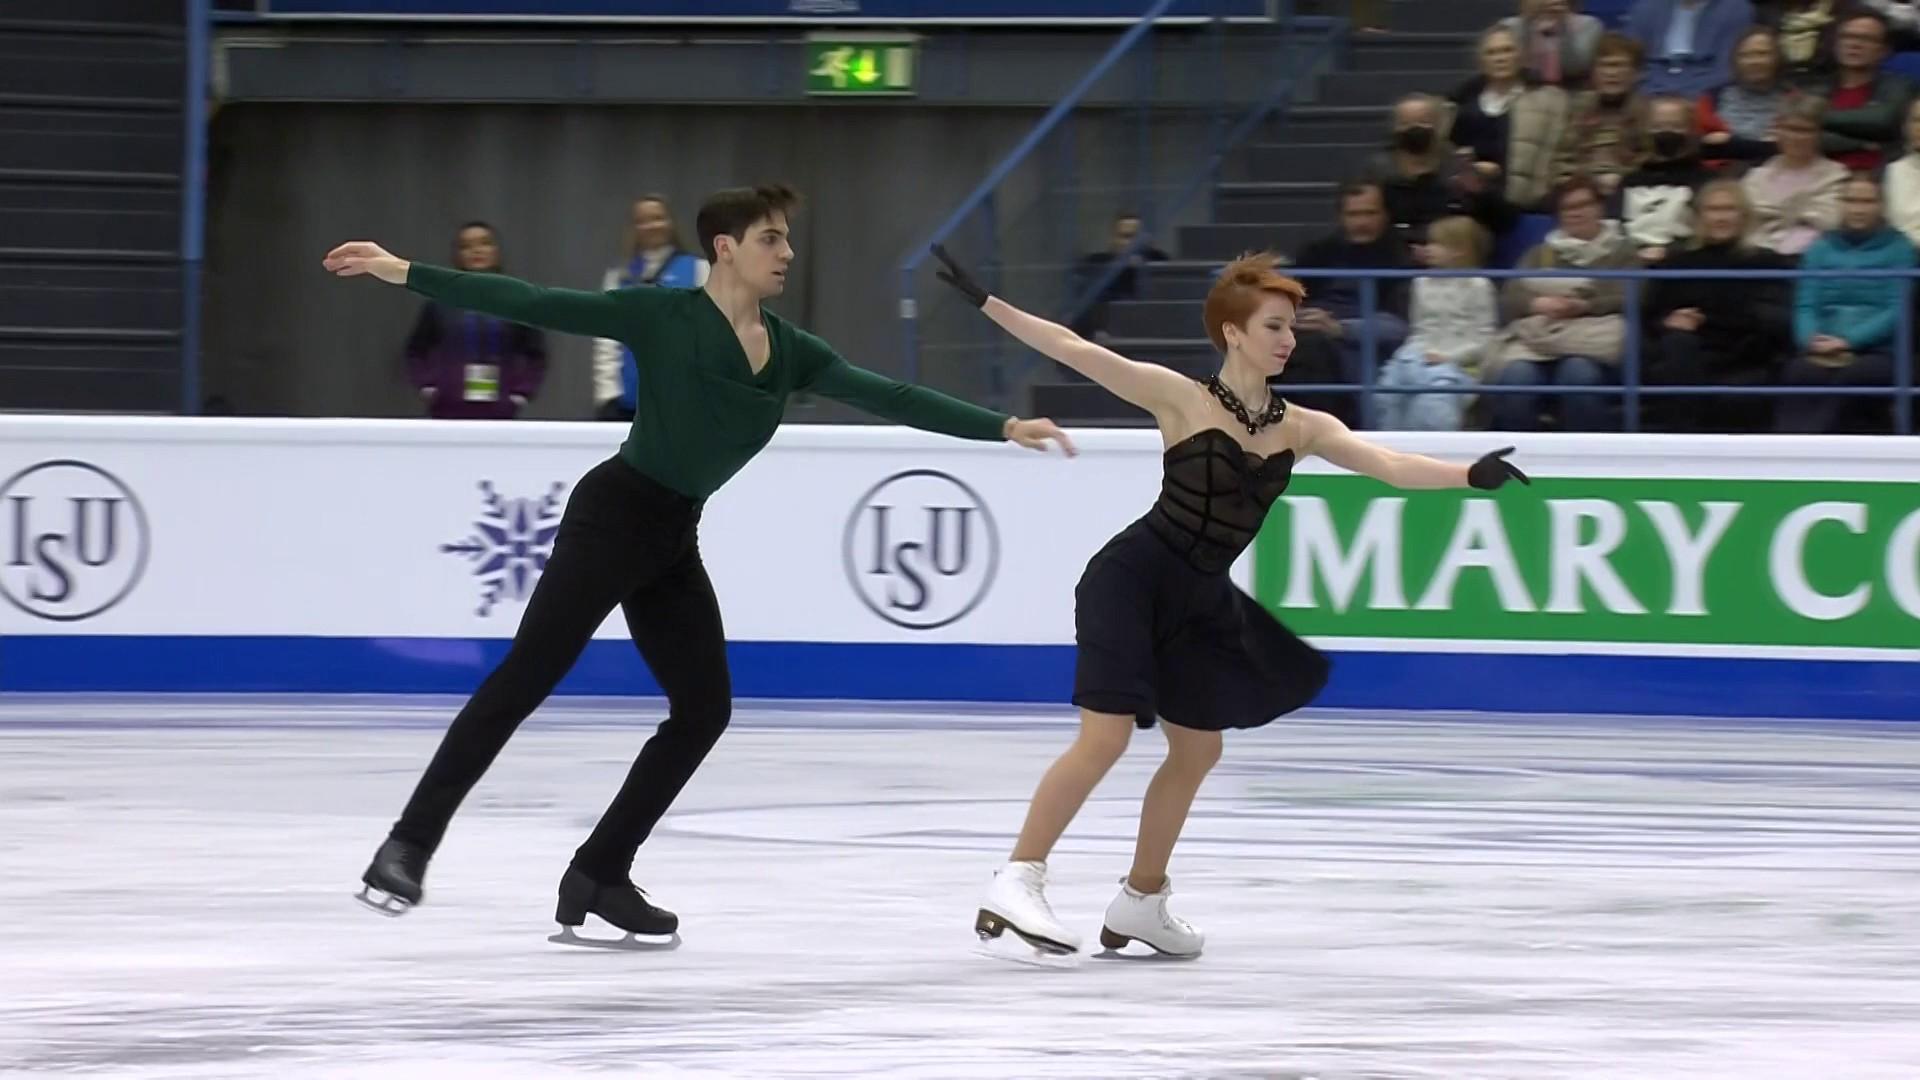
(1679, 358)
(623, 540)
(1835, 413)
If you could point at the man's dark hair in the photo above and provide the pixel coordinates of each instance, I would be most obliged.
(1361, 185)
(733, 211)
(1867, 15)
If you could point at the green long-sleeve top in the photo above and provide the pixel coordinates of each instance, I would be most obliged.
(702, 412)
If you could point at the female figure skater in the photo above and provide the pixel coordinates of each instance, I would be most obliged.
(1161, 629)
(719, 370)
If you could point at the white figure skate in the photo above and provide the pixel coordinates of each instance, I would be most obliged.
(1143, 917)
(1017, 901)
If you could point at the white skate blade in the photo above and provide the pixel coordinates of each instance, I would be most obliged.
(384, 903)
(630, 943)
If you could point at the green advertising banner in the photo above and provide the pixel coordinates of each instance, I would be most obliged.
(1677, 562)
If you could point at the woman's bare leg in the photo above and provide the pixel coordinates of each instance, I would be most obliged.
(1191, 755)
(1103, 738)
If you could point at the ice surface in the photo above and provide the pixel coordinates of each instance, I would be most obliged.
(1383, 897)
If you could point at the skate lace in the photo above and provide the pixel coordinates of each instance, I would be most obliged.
(1036, 886)
(1168, 919)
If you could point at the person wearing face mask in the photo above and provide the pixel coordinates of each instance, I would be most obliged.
(1689, 42)
(470, 366)
(655, 257)
(1556, 43)
(1845, 326)
(1903, 182)
(1737, 118)
(1703, 331)
(1657, 198)
(1606, 135)
(1509, 126)
(1424, 180)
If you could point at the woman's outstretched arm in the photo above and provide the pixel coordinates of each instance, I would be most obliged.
(1149, 386)
(1332, 440)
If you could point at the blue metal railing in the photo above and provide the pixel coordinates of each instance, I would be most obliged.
(1631, 387)
(1056, 213)
(983, 194)
(1224, 141)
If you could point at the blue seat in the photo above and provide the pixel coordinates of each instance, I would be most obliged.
(1611, 12)
(1529, 232)
(1905, 63)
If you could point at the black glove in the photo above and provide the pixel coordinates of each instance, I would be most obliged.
(957, 276)
(1494, 470)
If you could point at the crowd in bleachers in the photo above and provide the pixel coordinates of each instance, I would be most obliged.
(1707, 135)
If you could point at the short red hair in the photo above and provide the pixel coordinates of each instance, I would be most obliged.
(1240, 290)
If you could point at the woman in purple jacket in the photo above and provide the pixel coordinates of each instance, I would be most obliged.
(469, 366)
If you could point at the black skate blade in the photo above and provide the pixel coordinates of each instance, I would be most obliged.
(630, 943)
(383, 903)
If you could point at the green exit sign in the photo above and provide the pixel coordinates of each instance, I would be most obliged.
(850, 64)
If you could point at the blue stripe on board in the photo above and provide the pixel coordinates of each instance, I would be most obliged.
(1482, 682)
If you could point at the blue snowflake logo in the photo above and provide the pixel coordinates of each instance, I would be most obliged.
(510, 544)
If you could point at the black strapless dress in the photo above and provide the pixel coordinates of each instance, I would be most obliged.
(1163, 631)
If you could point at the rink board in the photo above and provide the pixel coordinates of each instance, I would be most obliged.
(1643, 575)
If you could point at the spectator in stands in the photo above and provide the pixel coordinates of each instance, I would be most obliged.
(1330, 328)
(1903, 19)
(1903, 182)
(1688, 43)
(1865, 105)
(1556, 43)
(469, 366)
(1657, 199)
(1724, 332)
(1424, 180)
(1845, 326)
(1606, 135)
(1453, 319)
(1737, 119)
(1125, 285)
(655, 257)
(1510, 128)
(1564, 332)
(1807, 29)
(1796, 194)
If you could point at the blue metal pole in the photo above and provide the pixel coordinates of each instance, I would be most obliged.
(193, 199)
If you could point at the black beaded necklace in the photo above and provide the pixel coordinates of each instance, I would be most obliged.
(1275, 411)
